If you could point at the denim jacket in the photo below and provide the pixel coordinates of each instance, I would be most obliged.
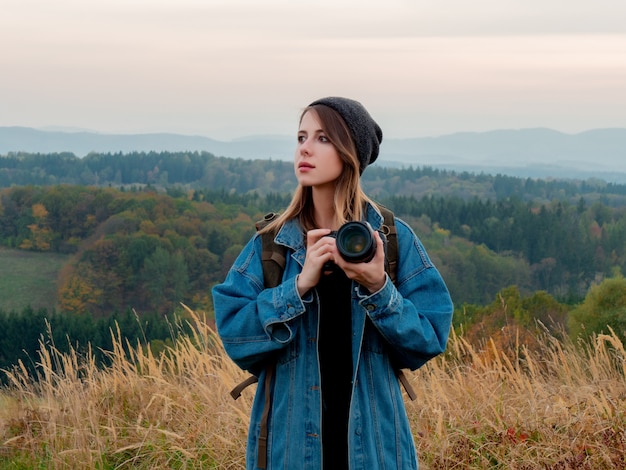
(402, 325)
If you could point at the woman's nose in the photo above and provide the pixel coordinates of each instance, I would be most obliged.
(305, 148)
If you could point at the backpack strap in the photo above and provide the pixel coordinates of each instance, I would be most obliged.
(236, 392)
(263, 431)
(391, 266)
(408, 388)
(273, 259)
(273, 256)
(390, 231)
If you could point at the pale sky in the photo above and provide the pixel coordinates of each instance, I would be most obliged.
(232, 68)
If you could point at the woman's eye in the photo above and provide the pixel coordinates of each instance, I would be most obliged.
(323, 138)
(301, 138)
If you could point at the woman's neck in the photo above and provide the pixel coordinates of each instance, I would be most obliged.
(324, 208)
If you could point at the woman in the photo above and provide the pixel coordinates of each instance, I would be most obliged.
(333, 332)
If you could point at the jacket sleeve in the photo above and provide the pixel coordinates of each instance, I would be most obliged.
(253, 322)
(413, 316)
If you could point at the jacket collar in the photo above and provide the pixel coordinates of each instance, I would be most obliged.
(292, 235)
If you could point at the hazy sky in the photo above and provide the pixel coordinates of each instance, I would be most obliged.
(231, 68)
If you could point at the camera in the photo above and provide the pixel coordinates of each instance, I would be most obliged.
(355, 243)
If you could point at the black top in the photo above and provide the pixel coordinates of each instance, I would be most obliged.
(335, 354)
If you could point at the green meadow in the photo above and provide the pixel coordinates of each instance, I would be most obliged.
(29, 278)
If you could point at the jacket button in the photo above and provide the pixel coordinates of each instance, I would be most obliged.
(370, 307)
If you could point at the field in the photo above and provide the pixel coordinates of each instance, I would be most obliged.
(29, 278)
(477, 408)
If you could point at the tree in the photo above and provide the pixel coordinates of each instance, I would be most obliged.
(79, 295)
(604, 306)
(165, 277)
(40, 233)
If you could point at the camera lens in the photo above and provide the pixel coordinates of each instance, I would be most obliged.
(355, 242)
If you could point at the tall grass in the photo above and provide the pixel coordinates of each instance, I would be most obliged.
(561, 408)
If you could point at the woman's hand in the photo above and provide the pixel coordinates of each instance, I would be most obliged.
(370, 275)
(319, 250)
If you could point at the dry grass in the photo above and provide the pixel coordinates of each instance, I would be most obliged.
(171, 411)
(561, 408)
(564, 408)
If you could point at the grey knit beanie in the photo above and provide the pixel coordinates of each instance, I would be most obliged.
(367, 135)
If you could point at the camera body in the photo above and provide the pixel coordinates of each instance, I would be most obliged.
(355, 243)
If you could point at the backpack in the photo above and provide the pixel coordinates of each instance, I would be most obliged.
(274, 258)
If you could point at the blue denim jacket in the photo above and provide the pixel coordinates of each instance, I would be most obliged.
(405, 324)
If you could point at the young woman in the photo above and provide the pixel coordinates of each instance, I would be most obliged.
(334, 332)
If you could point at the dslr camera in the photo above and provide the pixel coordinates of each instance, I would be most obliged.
(355, 243)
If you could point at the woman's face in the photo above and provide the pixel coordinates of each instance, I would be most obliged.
(317, 162)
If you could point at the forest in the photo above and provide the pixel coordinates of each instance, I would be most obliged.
(149, 231)
(202, 170)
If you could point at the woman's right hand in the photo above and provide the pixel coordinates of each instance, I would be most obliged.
(319, 251)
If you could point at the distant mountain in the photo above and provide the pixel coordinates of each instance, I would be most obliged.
(525, 152)
(81, 143)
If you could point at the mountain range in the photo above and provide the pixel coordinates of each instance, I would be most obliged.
(539, 152)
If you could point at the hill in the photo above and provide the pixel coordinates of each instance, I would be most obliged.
(523, 152)
(151, 250)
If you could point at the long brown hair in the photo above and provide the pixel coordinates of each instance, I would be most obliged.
(349, 196)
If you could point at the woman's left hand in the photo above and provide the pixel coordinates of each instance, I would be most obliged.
(370, 275)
